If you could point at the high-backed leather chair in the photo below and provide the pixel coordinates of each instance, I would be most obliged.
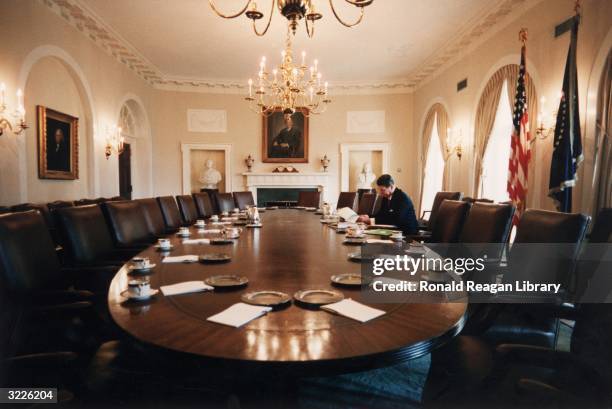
(46, 214)
(187, 207)
(87, 238)
(450, 218)
(488, 226)
(170, 212)
(225, 202)
(366, 204)
(309, 199)
(58, 204)
(4, 209)
(87, 202)
(347, 199)
(153, 215)
(128, 225)
(243, 199)
(433, 213)
(203, 205)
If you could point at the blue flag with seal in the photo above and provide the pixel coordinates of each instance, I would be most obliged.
(567, 145)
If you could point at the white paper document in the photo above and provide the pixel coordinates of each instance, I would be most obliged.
(186, 287)
(189, 258)
(209, 231)
(353, 309)
(196, 241)
(347, 214)
(239, 314)
(372, 241)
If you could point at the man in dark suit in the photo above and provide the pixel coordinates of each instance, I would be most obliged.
(58, 152)
(396, 207)
(287, 143)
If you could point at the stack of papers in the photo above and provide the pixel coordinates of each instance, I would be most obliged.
(347, 214)
(371, 241)
(353, 309)
(210, 231)
(196, 241)
(239, 314)
(185, 288)
(189, 258)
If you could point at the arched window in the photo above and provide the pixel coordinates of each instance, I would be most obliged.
(434, 169)
(497, 154)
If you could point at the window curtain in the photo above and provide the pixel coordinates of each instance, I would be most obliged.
(603, 140)
(438, 114)
(487, 107)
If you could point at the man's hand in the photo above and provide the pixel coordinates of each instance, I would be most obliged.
(364, 218)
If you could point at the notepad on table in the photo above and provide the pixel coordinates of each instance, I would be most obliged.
(354, 310)
(189, 258)
(239, 314)
(373, 241)
(210, 231)
(185, 287)
(196, 241)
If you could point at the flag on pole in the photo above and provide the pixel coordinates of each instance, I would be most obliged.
(518, 166)
(567, 145)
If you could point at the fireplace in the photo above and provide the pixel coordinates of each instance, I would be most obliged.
(285, 187)
(280, 196)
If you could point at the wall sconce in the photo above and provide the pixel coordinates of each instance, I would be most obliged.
(114, 143)
(453, 143)
(19, 114)
(249, 162)
(542, 131)
(325, 162)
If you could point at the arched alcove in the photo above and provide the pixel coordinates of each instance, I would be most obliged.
(50, 77)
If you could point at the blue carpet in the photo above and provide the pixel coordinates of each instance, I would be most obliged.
(398, 386)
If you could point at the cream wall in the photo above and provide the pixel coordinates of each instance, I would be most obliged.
(61, 67)
(546, 61)
(327, 132)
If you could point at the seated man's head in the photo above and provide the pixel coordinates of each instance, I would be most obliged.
(386, 185)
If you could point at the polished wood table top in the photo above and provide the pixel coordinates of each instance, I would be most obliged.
(291, 252)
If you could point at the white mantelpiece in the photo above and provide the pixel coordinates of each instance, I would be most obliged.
(255, 180)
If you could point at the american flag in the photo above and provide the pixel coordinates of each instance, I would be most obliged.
(518, 166)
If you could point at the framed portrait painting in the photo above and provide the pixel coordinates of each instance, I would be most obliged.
(285, 137)
(58, 145)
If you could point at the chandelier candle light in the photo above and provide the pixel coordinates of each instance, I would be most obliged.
(114, 143)
(19, 114)
(288, 86)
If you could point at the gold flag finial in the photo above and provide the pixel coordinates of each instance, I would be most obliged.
(577, 7)
(523, 35)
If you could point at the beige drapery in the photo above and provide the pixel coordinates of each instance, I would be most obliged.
(603, 140)
(487, 108)
(438, 114)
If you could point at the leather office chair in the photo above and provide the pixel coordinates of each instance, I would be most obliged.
(347, 199)
(203, 205)
(46, 214)
(128, 224)
(170, 212)
(153, 216)
(449, 221)
(487, 229)
(88, 240)
(309, 199)
(433, 213)
(602, 228)
(87, 202)
(187, 207)
(244, 199)
(366, 204)
(33, 281)
(225, 202)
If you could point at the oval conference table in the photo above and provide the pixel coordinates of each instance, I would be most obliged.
(291, 252)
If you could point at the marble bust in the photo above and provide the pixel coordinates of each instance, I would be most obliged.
(366, 177)
(210, 176)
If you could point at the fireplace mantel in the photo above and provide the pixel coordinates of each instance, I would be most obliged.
(255, 180)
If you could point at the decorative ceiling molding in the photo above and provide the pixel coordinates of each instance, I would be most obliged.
(474, 32)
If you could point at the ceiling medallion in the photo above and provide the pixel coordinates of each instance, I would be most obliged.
(293, 11)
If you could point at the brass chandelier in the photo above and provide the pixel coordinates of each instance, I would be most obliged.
(293, 11)
(290, 86)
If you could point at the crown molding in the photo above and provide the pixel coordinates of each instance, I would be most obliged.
(473, 33)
